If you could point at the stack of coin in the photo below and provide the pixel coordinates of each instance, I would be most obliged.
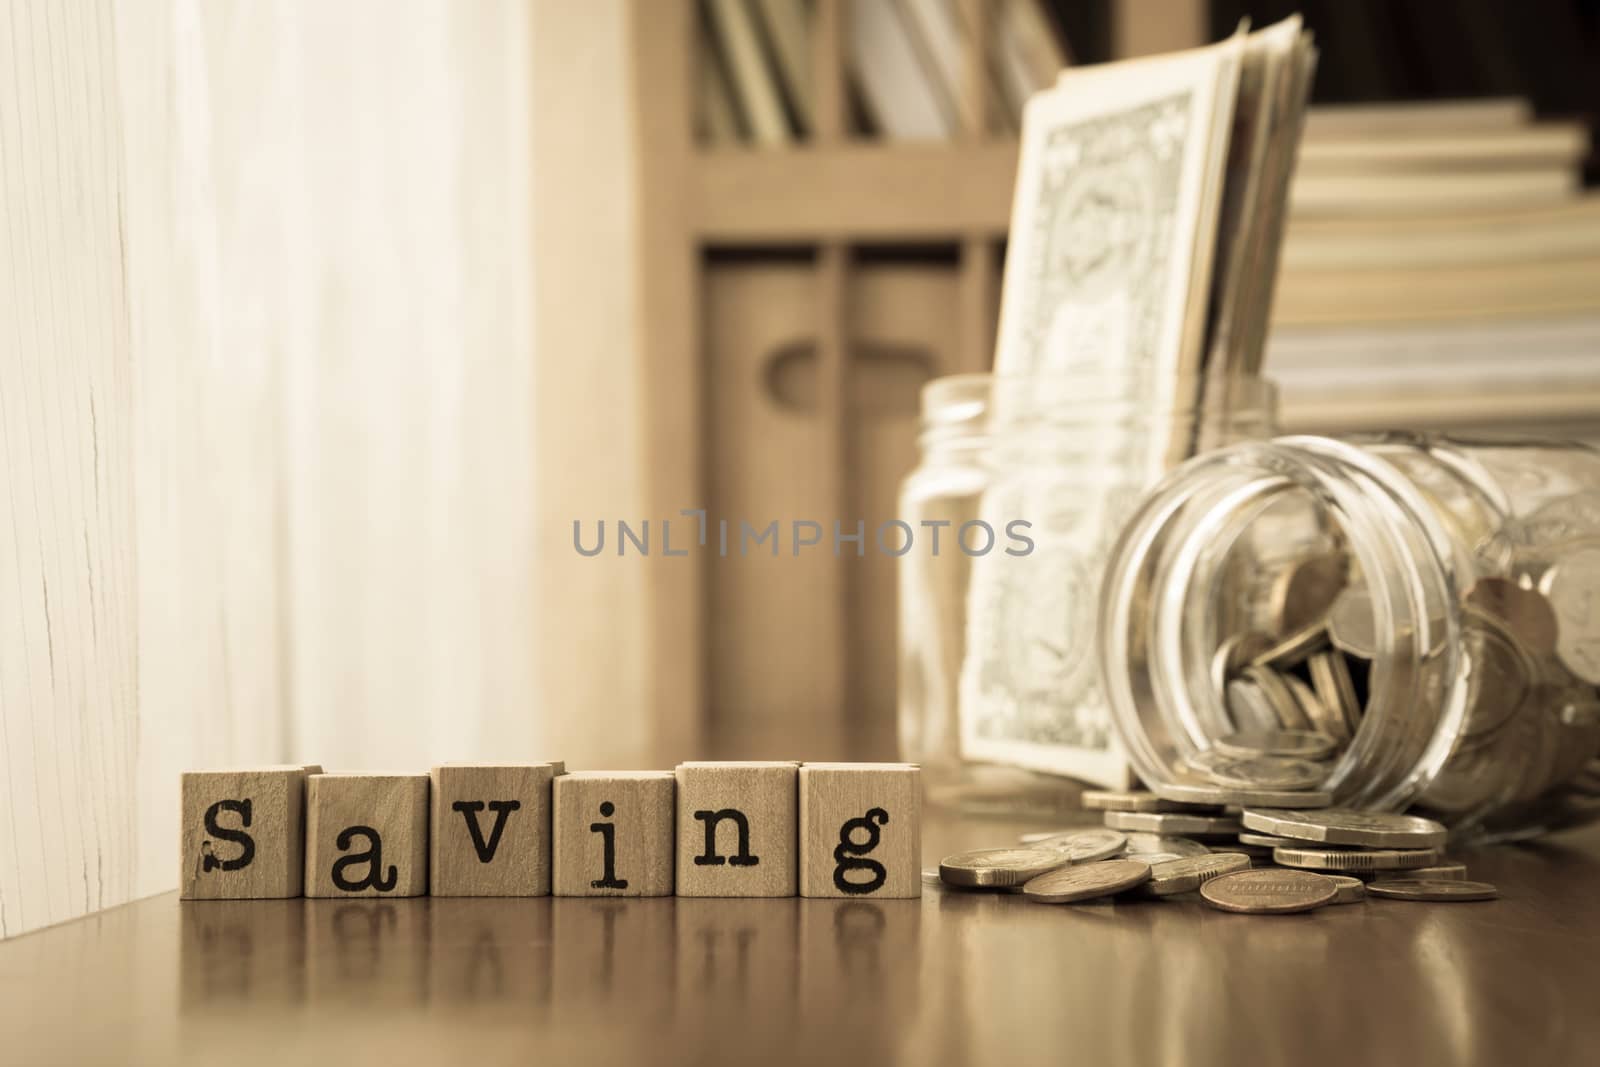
(1306, 859)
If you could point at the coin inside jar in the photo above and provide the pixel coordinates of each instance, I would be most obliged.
(1302, 744)
(1352, 627)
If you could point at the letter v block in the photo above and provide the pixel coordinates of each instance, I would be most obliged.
(860, 830)
(736, 829)
(243, 834)
(613, 834)
(489, 835)
(366, 835)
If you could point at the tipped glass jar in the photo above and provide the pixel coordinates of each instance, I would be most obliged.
(1419, 614)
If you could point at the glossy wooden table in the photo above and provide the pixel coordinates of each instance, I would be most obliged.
(954, 978)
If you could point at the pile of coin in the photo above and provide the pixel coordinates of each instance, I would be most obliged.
(1255, 860)
(1293, 682)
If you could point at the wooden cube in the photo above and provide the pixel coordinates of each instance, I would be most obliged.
(243, 833)
(737, 825)
(860, 830)
(366, 835)
(489, 834)
(613, 834)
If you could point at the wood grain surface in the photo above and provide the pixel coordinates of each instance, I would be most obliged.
(489, 829)
(366, 835)
(613, 834)
(737, 827)
(957, 978)
(243, 833)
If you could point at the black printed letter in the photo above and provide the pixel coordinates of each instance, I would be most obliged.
(847, 854)
(711, 857)
(246, 843)
(608, 833)
(469, 810)
(373, 858)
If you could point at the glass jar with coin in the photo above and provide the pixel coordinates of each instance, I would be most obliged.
(1378, 622)
(1022, 487)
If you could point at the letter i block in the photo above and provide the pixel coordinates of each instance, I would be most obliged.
(613, 834)
(243, 834)
(736, 829)
(489, 835)
(860, 830)
(366, 835)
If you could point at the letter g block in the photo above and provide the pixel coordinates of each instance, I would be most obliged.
(243, 834)
(860, 830)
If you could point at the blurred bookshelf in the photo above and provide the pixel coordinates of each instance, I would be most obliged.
(827, 181)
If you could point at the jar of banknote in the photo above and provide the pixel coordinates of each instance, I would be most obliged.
(1022, 487)
(1381, 622)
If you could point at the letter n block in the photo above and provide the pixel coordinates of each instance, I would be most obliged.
(243, 833)
(366, 835)
(860, 830)
(737, 825)
(489, 835)
(613, 834)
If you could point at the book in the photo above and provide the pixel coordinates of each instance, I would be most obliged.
(734, 28)
(898, 89)
(1453, 191)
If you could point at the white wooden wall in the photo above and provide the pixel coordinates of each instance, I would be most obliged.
(268, 407)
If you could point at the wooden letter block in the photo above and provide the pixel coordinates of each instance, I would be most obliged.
(736, 829)
(366, 835)
(243, 833)
(613, 834)
(860, 830)
(490, 831)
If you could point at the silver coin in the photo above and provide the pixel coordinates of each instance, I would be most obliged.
(1301, 744)
(1350, 890)
(1085, 846)
(1305, 592)
(1438, 890)
(1267, 841)
(1249, 707)
(1572, 585)
(1267, 772)
(1143, 846)
(1138, 800)
(1498, 674)
(990, 867)
(1187, 875)
(1352, 626)
(1153, 822)
(1086, 881)
(1267, 891)
(1336, 692)
(1234, 654)
(1295, 648)
(1369, 859)
(1446, 872)
(1285, 705)
(1340, 826)
(1212, 793)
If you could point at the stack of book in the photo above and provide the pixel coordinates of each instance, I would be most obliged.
(1437, 251)
(905, 64)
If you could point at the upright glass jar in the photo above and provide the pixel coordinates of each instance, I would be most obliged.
(1028, 480)
(1449, 588)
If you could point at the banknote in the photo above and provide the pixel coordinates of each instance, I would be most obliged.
(1114, 281)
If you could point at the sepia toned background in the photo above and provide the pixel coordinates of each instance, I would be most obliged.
(323, 322)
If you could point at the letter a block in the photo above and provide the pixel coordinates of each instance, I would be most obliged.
(366, 835)
(489, 835)
(736, 829)
(860, 830)
(613, 834)
(243, 834)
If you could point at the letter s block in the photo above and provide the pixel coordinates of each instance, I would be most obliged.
(489, 835)
(243, 833)
(366, 835)
(860, 830)
(737, 826)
